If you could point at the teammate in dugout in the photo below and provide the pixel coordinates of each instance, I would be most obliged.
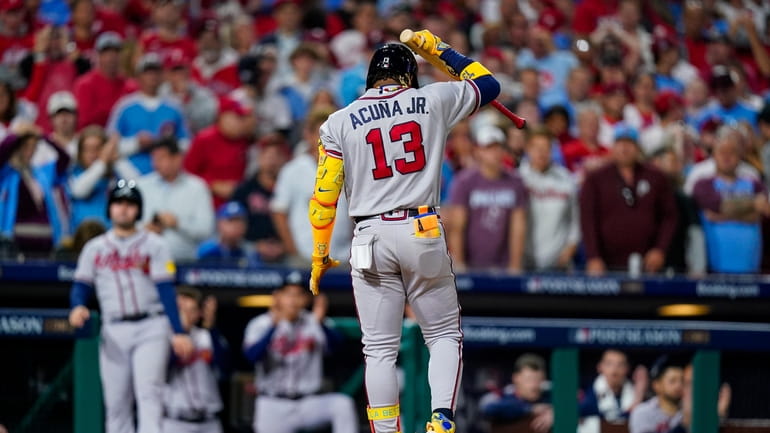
(287, 344)
(131, 271)
(191, 397)
(386, 149)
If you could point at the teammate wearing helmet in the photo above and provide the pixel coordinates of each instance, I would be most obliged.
(386, 150)
(132, 273)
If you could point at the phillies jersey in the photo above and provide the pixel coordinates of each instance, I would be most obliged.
(183, 46)
(392, 141)
(124, 272)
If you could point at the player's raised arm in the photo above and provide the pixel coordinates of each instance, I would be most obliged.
(458, 65)
(322, 212)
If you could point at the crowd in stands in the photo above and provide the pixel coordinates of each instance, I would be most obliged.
(658, 399)
(647, 147)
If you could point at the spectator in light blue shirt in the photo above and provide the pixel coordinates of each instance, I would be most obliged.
(731, 205)
(727, 107)
(143, 117)
(553, 65)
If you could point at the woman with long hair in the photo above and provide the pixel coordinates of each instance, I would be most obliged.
(98, 164)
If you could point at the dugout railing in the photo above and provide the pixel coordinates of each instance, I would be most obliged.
(566, 338)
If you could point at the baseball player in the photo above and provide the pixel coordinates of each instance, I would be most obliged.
(386, 149)
(287, 344)
(191, 397)
(132, 272)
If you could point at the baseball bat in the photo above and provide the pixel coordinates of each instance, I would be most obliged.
(414, 41)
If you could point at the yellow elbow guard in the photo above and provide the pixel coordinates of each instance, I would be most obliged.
(321, 215)
(329, 178)
(322, 209)
(474, 70)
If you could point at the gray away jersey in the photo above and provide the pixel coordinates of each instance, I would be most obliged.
(192, 388)
(124, 272)
(293, 364)
(392, 142)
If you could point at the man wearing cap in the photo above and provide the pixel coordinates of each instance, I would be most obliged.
(143, 117)
(670, 130)
(626, 207)
(218, 154)
(98, 90)
(287, 345)
(230, 244)
(663, 412)
(728, 108)
(199, 104)
(62, 111)
(488, 210)
(177, 205)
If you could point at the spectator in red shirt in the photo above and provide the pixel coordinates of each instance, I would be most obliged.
(585, 153)
(84, 28)
(168, 34)
(614, 98)
(626, 207)
(218, 153)
(216, 66)
(98, 90)
(54, 70)
(16, 40)
(588, 13)
(111, 16)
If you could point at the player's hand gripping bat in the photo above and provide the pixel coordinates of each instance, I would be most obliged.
(430, 49)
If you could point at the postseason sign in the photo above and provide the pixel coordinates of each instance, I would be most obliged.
(495, 332)
(38, 323)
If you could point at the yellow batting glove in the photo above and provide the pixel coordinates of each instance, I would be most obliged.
(318, 268)
(431, 43)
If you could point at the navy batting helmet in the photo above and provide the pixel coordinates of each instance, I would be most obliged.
(394, 61)
(125, 190)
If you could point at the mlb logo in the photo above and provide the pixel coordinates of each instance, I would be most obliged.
(582, 335)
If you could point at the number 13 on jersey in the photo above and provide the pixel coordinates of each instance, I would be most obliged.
(409, 134)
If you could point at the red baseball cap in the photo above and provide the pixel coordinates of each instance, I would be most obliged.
(11, 5)
(552, 19)
(176, 60)
(231, 105)
(610, 88)
(666, 100)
